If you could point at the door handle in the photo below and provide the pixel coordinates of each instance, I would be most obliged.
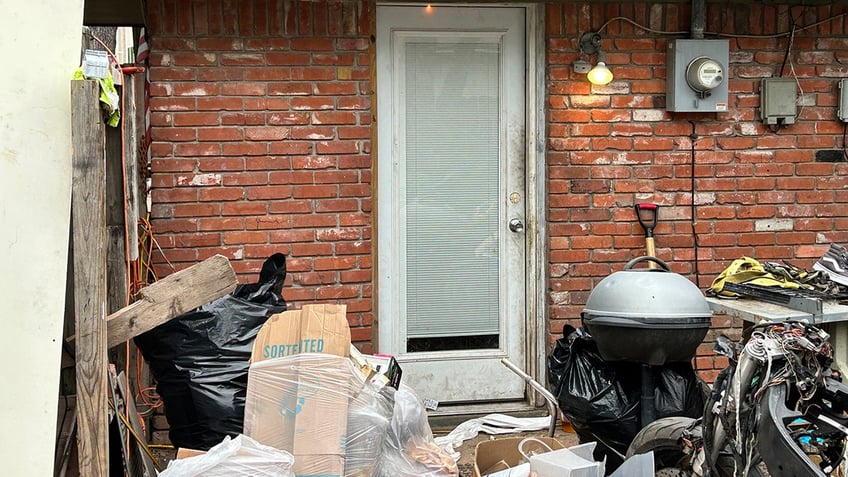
(516, 225)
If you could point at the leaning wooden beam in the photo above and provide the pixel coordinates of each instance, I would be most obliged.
(172, 296)
(88, 213)
(133, 124)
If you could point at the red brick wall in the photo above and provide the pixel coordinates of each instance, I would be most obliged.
(757, 193)
(262, 126)
(261, 117)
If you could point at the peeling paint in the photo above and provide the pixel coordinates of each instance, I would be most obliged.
(560, 298)
(195, 92)
(705, 198)
(773, 224)
(748, 129)
(619, 158)
(199, 180)
(648, 115)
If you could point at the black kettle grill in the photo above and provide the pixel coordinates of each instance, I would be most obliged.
(650, 316)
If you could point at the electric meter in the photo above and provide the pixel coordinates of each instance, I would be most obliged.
(697, 75)
(704, 74)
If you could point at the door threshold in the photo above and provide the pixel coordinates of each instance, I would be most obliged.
(448, 416)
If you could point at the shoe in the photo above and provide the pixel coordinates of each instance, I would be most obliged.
(834, 263)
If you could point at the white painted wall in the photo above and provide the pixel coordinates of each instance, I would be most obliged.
(39, 50)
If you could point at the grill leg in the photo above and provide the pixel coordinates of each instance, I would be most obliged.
(649, 412)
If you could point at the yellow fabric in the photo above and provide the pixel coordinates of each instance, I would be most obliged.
(108, 96)
(749, 271)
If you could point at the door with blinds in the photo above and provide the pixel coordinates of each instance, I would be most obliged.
(450, 198)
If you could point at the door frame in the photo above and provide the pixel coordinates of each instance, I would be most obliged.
(535, 220)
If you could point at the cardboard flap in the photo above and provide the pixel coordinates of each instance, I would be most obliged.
(321, 328)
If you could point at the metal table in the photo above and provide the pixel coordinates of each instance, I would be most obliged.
(833, 319)
(756, 311)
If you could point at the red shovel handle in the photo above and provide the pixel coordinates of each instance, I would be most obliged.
(647, 215)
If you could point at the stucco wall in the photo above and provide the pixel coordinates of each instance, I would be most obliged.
(39, 51)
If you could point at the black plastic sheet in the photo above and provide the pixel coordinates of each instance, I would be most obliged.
(200, 359)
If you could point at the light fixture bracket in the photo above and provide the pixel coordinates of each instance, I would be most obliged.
(590, 43)
(582, 66)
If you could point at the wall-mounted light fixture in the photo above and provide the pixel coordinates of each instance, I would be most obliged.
(590, 43)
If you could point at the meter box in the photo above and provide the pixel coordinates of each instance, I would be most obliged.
(778, 98)
(697, 76)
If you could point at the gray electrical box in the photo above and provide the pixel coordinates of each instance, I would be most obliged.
(842, 112)
(778, 100)
(697, 75)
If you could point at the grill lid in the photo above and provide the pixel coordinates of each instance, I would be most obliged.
(648, 295)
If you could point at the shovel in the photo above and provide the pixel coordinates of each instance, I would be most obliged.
(647, 215)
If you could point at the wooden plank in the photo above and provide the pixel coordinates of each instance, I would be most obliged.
(141, 461)
(119, 411)
(117, 270)
(88, 212)
(66, 431)
(117, 273)
(172, 296)
(133, 127)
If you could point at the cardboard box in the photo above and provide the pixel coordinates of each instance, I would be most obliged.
(379, 369)
(312, 329)
(501, 454)
(183, 453)
(299, 385)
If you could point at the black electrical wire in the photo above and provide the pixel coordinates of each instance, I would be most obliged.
(726, 35)
(694, 137)
(844, 149)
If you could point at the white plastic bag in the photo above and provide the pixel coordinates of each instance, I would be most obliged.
(490, 424)
(239, 456)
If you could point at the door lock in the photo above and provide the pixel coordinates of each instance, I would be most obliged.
(516, 225)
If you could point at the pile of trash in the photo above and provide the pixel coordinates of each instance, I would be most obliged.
(314, 405)
(251, 388)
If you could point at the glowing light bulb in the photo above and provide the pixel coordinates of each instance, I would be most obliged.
(600, 74)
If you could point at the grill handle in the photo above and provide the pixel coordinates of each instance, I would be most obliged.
(647, 258)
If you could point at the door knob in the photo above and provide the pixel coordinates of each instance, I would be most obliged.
(516, 225)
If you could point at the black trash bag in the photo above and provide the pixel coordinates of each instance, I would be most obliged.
(200, 359)
(679, 391)
(602, 399)
(599, 398)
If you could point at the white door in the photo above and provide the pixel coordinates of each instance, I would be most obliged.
(450, 178)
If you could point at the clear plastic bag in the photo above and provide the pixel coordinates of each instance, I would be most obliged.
(234, 457)
(368, 421)
(409, 449)
(319, 408)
